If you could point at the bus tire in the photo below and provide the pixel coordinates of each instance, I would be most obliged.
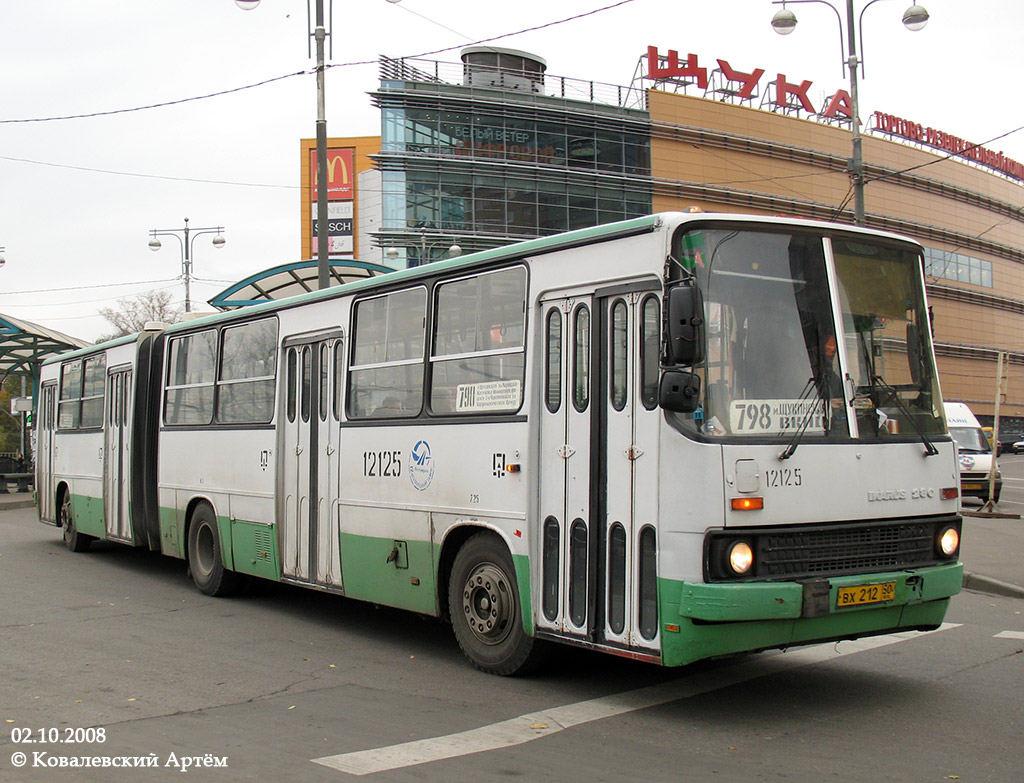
(205, 560)
(485, 609)
(73, 540)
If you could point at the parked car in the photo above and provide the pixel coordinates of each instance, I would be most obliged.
(1017, 447)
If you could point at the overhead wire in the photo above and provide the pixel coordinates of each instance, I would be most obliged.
(263, 83)
(82, 287)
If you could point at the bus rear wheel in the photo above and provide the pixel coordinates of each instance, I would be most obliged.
(205, 560)
(486, 613)
(73, 540)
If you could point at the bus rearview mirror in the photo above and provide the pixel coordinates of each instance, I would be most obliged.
(685, 325)
(679, 391)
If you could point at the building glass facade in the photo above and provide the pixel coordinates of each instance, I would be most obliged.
(482, 167)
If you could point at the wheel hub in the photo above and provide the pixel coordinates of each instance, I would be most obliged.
(488, 604)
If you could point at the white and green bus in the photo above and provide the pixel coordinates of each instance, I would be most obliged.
(671, 438)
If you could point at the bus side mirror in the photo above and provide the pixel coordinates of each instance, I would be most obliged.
(685, 325)
(679, 391)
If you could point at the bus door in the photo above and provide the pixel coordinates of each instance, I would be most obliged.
(310, 456)
(116, 463)
(598, 496)
(47, 423)
(627, 383)
(565, 469)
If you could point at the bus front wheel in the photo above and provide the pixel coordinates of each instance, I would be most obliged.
(483, 598)
(73, 540)
(205, 560)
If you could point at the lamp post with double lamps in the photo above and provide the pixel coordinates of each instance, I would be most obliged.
(186, 237)
(319, 33)
(784, 22)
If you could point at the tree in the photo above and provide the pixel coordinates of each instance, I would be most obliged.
(132, 313)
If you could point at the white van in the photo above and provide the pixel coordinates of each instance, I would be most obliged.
(975, 452)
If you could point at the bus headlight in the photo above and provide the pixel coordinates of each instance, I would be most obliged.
(740, 558)
(949, 541)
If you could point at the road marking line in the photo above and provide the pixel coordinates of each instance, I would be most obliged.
(1009, 635)
(532, 726)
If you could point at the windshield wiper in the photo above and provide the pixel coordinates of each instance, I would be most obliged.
(929, 447)
(799, 434)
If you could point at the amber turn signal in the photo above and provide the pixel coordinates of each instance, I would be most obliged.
(747, 504)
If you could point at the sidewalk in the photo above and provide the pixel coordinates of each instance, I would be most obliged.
(992, 551)
(993, 554)
(13, 499)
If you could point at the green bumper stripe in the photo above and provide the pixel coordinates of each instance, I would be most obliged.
(715, 620)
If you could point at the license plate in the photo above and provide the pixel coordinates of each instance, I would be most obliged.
(972, 486)
(865, 594)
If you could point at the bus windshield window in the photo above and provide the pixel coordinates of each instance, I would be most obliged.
(775, 361)
(887, 335)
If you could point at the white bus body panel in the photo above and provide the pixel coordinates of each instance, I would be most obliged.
(238, 483)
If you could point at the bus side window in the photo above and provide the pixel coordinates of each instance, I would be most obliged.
(190, 379)
(306, 383)
(248, 370)
(325, 372)
(650, 352)
(70, 406)
(93, 390)
(386, 374)
(339, 362)
(292, 383)
(618, 349)
(581, 360)
(553, 376)
(478, 355)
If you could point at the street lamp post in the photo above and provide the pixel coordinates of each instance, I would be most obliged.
(784, 22)
(319, 33)
(186, 238)
(453, 251)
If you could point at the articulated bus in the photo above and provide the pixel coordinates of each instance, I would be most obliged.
(670, 438)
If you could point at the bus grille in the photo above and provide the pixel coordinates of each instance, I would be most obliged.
(847, 551)
(831, 550)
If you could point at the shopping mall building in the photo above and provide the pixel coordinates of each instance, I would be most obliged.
(494, 150)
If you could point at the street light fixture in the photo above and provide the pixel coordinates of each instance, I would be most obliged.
(784, 23)
(183, 236)
(319, 33)
(452, 251)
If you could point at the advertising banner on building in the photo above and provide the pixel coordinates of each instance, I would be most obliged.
(340, 173)
(339, 227)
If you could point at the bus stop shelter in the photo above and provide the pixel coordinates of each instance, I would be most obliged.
(281, 282)
(24, 345)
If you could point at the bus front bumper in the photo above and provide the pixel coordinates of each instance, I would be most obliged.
(710, 620)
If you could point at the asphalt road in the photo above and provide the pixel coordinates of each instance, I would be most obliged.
(118, 640)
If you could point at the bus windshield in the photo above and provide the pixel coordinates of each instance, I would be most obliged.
(810, 336)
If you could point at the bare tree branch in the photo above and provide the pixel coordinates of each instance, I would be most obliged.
(132, 313)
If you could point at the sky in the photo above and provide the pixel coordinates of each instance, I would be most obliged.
(79, 196)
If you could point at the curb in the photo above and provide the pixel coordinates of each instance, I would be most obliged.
(28, 502)
(986, 584)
